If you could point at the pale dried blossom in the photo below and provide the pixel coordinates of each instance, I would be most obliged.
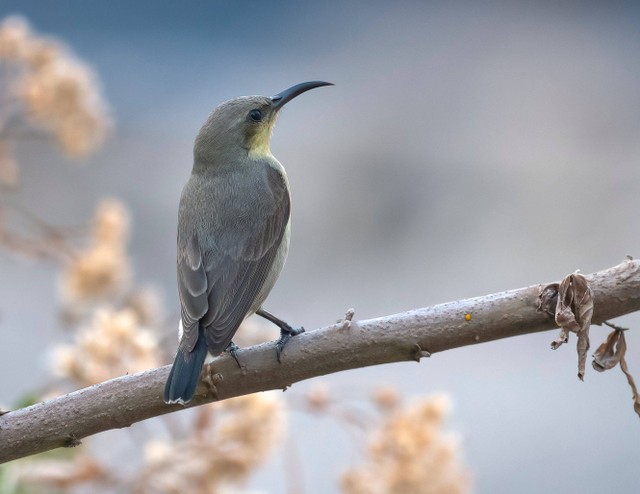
(145, 303)
(410, 454)
(386, 398)
(360, 481)
(318, 397)
(103, 269)
(57, 474)
(61, 97)
(230, 440)
(112, 345)
(110, 225)
(15, 38)
(59, 93)
(96, 272)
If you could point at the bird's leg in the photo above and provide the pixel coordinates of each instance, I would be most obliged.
(286, 331)
(232, 349)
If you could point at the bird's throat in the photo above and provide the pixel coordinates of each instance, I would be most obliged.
(260, 150)
(260, 141)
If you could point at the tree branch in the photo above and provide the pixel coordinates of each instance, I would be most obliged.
(120, 402)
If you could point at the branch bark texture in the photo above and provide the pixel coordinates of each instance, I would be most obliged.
(120, 402)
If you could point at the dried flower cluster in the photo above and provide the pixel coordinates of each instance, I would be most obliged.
(145, 303)
(102, 270)
(230, 440)
(119, 336)
(318, 397)
(409, 454)
(114, 344)
(44, 91)
(56, 92)
(56, 475)
(386, 398)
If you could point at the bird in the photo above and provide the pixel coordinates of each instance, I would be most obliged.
(234, 222)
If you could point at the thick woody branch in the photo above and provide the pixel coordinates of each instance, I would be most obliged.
(120, 402)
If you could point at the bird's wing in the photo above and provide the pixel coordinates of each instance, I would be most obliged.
(218, 281)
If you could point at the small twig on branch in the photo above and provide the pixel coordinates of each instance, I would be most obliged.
(125, 400)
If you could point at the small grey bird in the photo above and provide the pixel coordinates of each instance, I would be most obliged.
(233, 233)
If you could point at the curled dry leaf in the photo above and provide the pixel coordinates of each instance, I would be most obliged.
(634, 389)
(608, 354)
(548, 299)
(612, 352)
(573, 312)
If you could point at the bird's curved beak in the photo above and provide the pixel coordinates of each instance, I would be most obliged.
(281, 99)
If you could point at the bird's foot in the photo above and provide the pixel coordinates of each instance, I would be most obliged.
(232, 350)
(286, 333)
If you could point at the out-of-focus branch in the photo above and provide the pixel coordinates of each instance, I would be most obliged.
(120, 402)
(40, 240)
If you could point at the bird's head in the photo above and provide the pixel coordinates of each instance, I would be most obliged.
(244, 125)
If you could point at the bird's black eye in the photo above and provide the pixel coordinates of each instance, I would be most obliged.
(255, 115)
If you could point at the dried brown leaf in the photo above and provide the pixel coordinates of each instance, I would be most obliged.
(573, 312)
(563, 337)
(608, 354)
(623, 366)
(547, 303)
(547, 300)
(612, 352)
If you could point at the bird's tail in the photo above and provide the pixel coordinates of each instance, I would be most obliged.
(185, 372)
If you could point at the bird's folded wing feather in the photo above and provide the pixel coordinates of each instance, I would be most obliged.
(219, 279)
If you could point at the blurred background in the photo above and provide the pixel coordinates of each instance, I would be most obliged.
(466, 149)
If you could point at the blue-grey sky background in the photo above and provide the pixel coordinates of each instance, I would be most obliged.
(467, 148)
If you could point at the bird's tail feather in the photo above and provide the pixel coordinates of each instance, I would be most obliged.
(185, 373)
